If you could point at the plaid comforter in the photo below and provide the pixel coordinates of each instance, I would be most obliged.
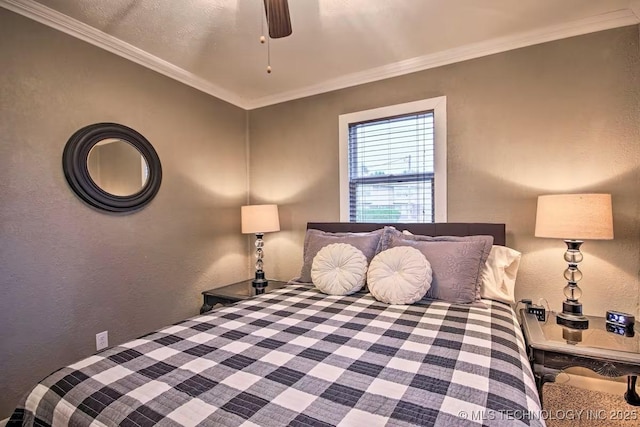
(301, 358)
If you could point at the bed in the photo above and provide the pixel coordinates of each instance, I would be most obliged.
(299, 357)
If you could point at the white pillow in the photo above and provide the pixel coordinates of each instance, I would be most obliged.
(499, 274)
(400, 275)
(339, 269)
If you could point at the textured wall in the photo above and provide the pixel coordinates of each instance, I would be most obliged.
(557, 117)
(562, 116)
(68, 271)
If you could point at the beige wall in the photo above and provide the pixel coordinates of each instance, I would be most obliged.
(562, 116)
(558, 117)
(67, 271)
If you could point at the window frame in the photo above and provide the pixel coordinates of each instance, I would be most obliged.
(439, 107)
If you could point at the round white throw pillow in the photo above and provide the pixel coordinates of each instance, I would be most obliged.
(339, 269)
(400, 275)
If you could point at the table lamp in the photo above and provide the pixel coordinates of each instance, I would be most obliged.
(574, 218)
(259, 219)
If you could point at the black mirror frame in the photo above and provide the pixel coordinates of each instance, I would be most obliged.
(76, 171)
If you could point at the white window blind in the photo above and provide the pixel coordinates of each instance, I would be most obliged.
(391, 169)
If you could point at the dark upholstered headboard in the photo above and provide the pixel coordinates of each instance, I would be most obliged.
(438, 229)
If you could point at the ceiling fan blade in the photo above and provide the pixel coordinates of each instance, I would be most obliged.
(278, 18)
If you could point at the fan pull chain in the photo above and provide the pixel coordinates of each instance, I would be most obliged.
(268, 57)
(263, 39)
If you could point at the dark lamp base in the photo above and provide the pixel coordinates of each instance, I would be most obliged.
(260, 282)
(572, 321)
(572, 308)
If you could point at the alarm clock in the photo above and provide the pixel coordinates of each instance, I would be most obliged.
(626, 331)
(619, 318)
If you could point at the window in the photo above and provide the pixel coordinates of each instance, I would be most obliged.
(393, 163)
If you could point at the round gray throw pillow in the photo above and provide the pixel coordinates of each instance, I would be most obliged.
(339, 269)
(400, 275)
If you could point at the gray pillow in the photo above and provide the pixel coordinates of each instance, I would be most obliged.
(456, 263)
(315, 240)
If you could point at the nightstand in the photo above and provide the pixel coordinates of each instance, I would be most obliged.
(553, 348)
(235, 292)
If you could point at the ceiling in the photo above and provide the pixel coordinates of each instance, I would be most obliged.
(213, 45)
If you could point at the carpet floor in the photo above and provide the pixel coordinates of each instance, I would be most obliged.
(565, 405)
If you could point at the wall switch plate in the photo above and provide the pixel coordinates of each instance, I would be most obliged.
(102, 340)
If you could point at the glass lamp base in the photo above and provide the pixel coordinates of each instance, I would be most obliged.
(571, 315)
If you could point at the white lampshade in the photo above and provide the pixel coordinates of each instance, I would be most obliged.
(575, 216)
(260, 218)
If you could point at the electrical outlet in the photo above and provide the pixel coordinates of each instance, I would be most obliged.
(102, 340)
(537, 311)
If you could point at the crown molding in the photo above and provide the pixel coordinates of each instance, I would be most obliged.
(77, 29)
(592, 24)
(84, 32)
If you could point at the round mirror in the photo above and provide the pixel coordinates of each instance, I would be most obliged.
(117, 167)
(112, 167)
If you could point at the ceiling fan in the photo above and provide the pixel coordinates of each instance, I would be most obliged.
(278, 19)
